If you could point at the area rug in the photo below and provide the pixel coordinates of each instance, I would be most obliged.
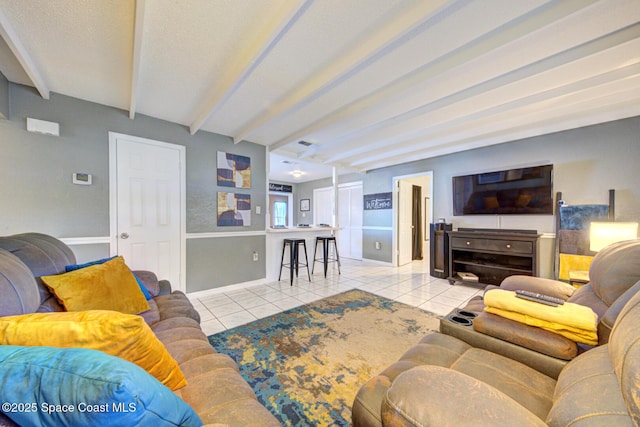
(307, 364)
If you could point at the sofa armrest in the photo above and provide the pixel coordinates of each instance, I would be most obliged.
(536, 339)
(539, 285)
(165, 287)
(605, 325)
(437, 396)
(149, 280)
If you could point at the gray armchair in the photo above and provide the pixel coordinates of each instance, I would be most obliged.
(615, 278)
(445, 381)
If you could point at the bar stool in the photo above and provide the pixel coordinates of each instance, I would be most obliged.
(294, 245)
(326, 240)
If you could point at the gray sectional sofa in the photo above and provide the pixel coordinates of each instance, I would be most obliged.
(215, 390)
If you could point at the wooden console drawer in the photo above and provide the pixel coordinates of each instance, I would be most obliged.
(509, 246)
(462, 243)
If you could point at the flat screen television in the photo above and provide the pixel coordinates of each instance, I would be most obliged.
(514, 191)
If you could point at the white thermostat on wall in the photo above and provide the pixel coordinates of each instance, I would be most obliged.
(82, 178)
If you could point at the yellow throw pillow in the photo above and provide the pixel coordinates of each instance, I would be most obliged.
(108, 286)
(123, 335)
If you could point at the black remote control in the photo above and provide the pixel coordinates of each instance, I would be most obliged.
(541, 301)
(542, 297)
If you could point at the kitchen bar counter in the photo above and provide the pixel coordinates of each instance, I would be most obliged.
(275, 238)
(300, 229)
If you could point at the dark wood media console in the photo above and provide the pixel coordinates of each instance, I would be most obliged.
(492, 254)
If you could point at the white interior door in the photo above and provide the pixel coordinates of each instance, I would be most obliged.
(149, 186)
(323, 206)
(350, 208)
(405, 222)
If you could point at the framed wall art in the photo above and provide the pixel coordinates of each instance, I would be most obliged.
(233, 170)
(234, 209)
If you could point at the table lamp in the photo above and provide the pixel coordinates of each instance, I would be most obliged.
(605, 233)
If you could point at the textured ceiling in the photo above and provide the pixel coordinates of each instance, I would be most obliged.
(370, 83)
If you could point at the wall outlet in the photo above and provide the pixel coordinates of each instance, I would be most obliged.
(255, 256)
(378, 246)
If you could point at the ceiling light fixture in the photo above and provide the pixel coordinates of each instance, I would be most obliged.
(297, 172)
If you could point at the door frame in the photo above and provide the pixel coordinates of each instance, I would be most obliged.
(113, 197)
(394, 204)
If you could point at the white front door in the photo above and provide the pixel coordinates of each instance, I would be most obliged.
(148, 228)
(405, 222)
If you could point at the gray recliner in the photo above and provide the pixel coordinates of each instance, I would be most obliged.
(615, 278)
(445, 381)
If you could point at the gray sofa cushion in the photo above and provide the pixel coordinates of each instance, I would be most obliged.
(44, 255)
(18, 288)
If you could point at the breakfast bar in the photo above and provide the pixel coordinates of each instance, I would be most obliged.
(275, 239)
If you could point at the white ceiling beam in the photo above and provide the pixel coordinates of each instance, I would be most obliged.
(609, 107)
(138, 32)
(264, 42)
(382, 42)
(604, 47)
(584, 95)
(396, 90)
(22, 55)
(556, 124)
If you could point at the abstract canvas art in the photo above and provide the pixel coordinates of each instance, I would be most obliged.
(234, 170)
(234, 209)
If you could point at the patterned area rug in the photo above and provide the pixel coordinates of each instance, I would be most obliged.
(307, 364)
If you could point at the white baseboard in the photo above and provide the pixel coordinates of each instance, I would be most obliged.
(375, 261)
(227, 288)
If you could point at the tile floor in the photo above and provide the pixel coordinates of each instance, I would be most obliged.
(410, 284)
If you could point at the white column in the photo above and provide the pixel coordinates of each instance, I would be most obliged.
(335, 199)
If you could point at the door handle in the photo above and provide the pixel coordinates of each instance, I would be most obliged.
(124, 235)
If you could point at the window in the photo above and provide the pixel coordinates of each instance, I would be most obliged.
(280, 214)
(279, 207)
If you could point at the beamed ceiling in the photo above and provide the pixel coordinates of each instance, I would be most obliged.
(370, 83)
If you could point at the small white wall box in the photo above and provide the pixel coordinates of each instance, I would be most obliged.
(81, 178)
(42, 126)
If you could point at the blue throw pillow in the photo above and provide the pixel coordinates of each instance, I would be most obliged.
(74, 267)
(48, 386)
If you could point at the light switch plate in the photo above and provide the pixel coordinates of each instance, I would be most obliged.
(81, 178)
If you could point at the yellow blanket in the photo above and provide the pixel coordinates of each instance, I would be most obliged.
(576, 322)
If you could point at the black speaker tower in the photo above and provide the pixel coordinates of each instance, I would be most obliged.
(439, 253)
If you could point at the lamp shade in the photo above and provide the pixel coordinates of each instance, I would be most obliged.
(605, 233)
